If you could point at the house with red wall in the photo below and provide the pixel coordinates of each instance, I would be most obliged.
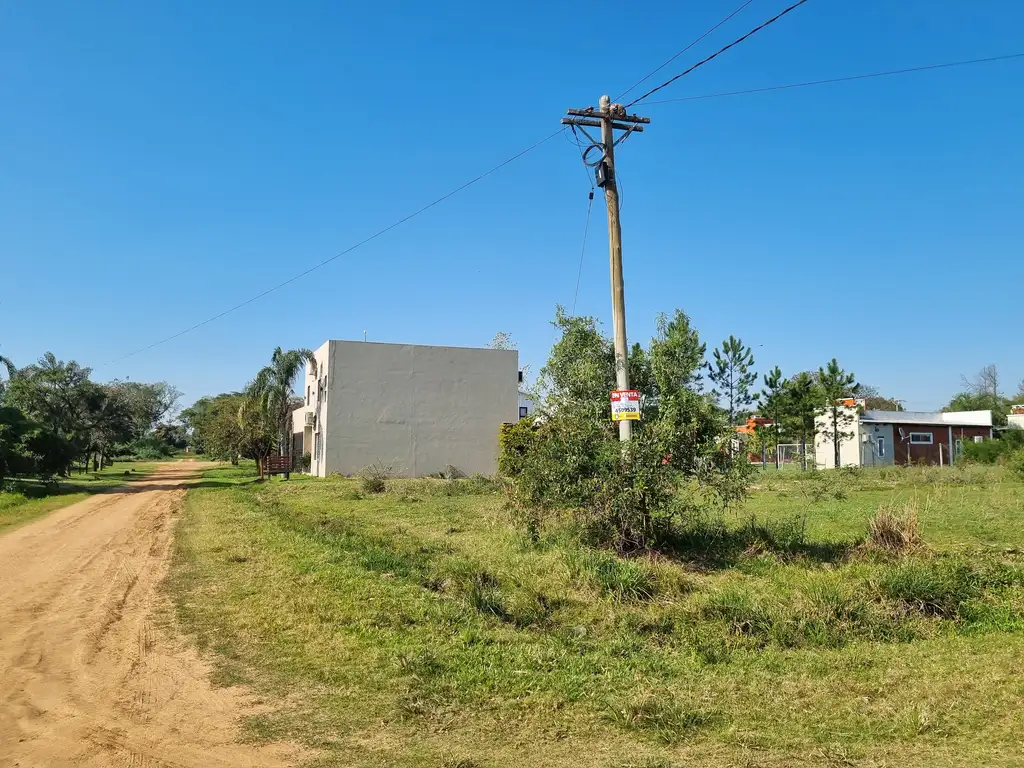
(886, 438)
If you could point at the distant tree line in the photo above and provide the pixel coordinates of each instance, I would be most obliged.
(985, 392)
(54, 417)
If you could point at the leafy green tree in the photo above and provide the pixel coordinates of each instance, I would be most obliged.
(801, 404)
(772, 402)
(233, 425)
(764, 442)
(14, 458)
(195, 418)
(834, 384)
(731, 372)
(171, 435)
(981, 393)
(146, 404)
(61, 399)
(6, 365)
(570, 457)
(875, 401)
(271, 391)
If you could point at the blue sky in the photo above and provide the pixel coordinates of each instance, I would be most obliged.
(165, 160)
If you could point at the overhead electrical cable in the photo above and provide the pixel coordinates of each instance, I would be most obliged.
(653, 72)
(846, 79)
(717, 53)
(348, 250)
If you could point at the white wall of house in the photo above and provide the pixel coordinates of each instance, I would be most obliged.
(526, 405)
(1016, 417)
(314, 394)
(415, 409)
(849, 448)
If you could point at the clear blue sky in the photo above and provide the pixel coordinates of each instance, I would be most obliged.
(162, 161)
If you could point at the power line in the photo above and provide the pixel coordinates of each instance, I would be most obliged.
(841, 79)
(348, 250)
(680, 53)
(719, 52)
(583, 250)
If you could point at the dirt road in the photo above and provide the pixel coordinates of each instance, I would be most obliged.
(90, 675)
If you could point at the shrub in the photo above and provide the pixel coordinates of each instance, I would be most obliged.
(570, 460)
(150, 448)
(374, 478)
(514, 442)
(306, 461)
(1015, 463)
(994, 451)
(894, 528)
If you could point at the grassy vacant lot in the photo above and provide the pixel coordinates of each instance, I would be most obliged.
(416, 628)
(27, 500)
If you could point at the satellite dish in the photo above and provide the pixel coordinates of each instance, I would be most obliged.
(903, 435)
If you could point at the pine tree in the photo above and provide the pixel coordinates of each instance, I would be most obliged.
(731, 373)
(772, 402)
(801, 403)
(835, 384)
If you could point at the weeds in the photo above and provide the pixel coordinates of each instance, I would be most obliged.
(663, 717)
(894, 528)
(432, 619)
(611, 575)
(945, 586)
(374, 478)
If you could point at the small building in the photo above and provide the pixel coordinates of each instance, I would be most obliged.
(415, 409)
(1016, 417)
(885, 438)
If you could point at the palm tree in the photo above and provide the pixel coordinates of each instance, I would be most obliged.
(272, 391)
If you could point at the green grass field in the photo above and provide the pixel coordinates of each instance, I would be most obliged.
(28, 500)
(417, 628)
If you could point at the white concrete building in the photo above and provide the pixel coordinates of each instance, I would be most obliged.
(416, 409)
(1016, 417)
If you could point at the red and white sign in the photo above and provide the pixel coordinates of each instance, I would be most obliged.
(625, 405)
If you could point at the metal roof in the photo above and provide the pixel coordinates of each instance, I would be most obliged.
(930, 418)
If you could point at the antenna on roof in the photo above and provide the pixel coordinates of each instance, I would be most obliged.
(364, 334)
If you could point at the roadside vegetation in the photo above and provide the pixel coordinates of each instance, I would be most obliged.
(56, 421)
(658, 603)
(875, 620)
(25, 500)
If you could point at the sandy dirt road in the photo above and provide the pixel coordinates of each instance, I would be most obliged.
(89, 673)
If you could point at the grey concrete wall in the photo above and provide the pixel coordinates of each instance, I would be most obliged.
(418, 408)
(869, 448)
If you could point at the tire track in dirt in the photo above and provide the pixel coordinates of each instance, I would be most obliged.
(87, 677)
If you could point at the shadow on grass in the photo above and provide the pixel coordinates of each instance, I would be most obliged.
(115, 484)
(714, 546)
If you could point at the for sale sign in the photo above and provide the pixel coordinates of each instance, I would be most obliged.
(625, 405)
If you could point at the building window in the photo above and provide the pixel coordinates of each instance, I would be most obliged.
(959, 447)
(520, 377)
(523, 411)
(881, 447)
(308, 389)
(979, 439)
(921, 438)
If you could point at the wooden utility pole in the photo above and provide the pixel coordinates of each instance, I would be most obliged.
(609, 117)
